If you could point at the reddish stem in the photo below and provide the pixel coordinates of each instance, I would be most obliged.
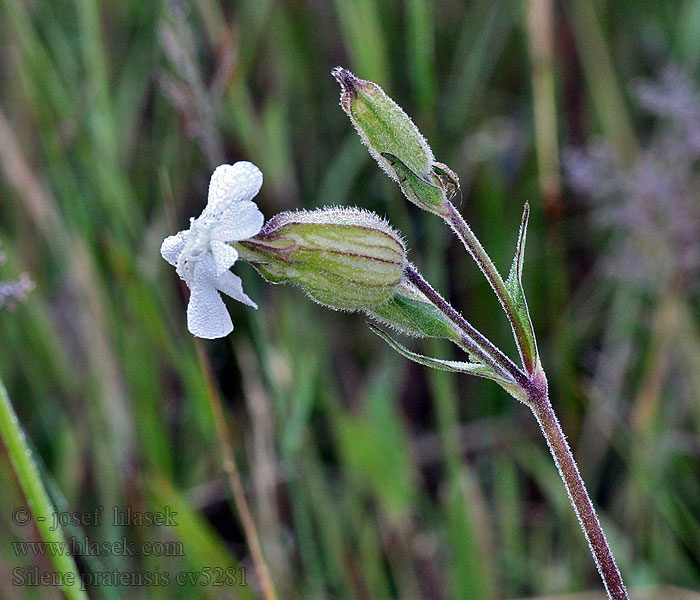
(543, 411)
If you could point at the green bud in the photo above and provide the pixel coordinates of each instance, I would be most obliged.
(395, 143)
(383, 125)
(343, 258)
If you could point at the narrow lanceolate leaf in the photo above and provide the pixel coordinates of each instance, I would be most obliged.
(525, 338)
(426, 192)
(453, 366)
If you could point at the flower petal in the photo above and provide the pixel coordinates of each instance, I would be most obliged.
(231, 284)
(184, 269)
(232, 183)
(207, 316)
(239, 221)
(172, 247)
(224, 256)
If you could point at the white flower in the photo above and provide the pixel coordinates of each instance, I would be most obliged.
(203, 254)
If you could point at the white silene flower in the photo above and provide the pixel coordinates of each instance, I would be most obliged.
(203, 254)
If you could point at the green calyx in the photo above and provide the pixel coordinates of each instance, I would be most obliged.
(396, 143)
(346, 259)
(383, 125)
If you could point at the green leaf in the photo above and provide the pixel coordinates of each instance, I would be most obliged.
(527, 345)
(428, 195)
(414, 317)
(453, 366)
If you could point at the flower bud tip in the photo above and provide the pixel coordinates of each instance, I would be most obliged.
(346, 79)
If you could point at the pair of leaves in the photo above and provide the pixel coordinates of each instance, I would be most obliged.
(422, 319)
(454, 366)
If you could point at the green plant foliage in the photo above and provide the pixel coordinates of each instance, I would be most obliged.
(113, 116)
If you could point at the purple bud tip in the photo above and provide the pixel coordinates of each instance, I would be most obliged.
(346, 79)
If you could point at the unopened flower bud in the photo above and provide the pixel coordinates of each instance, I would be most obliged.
(383, 125)
(395, 143)
(343, 258)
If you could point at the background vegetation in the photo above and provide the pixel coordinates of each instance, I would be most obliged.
(368, 477)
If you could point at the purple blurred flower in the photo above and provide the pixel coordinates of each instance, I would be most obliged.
(651, 208)
(13, 292)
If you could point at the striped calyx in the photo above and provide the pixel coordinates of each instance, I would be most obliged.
(396, 143)
(343, 258)
(383, 125)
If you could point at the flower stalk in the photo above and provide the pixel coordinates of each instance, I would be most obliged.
(532, 390)
(541, 407)
(471, 339)
(353, 260)
(399, 148)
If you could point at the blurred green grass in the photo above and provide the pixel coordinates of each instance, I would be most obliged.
(368, 477)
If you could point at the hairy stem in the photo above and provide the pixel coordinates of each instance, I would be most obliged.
(564, 459)
(455, 220)
(41, 507)
(475, 341)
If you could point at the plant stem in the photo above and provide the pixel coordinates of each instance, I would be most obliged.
(476, 342)
(234, 478)
(455, 220)
(37, 497)
(544, 413)
(536, 397)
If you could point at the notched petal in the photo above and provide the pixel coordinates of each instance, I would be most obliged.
(240, 221)
(207, 316)
(231, 285)
(232, 183)
(172, 246)
(225, 256)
